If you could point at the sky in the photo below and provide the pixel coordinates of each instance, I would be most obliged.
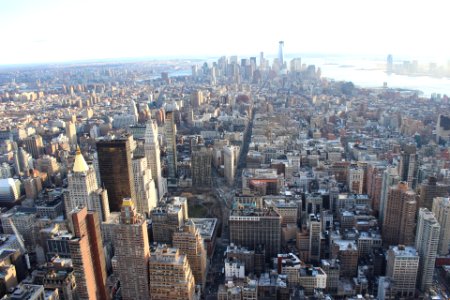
(38, 31)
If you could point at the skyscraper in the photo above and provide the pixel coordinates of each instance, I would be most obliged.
(390, 178)
(315, 231)
(402, 267)
(34, 145)
(408, 165)
(229, 163)
(171, 142)
(427, 239)
(201, 167)
(441, 210)
(132, 253)
(400, 215)
(152, 153)
(144, 186)
(190, 243)
(431, 189)
(86, 251)
(253, 227)
(280, 53)
(115, 164)
(71, 133)
(83, 191)
(170, 275)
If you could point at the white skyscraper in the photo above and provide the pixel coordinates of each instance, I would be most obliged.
(441, 210)
(144, 186)
(427, 240)
(71, 133)
(170, 133)
(229, 158)
(83, 190)
(152, 153)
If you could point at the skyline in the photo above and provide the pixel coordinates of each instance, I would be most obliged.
(45, 31)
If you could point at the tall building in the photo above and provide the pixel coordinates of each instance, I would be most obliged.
(280, 53)
(252, 227)
(315, 232)
(441, 210)
(402, 267)
(132, 253)
(190, 243)
(115, 164)
(144, 186)
(152, 153)
(83, 191)
(374, 184)
(170, 129)
(86, 251)
(355, 179)
(443, 129)
(408, 166)
(427, 240)
(168, 218)
(390, 178)
(201, 167)
(431, 189)
(400, 215)
(34, 145)
(71, 133)
(229, 163)
(170, 275)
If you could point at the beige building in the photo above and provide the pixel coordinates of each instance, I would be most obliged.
(83, 190)
(170, 275)
(152, 153)
(190, 243)
(441, 210)
(400, 216)
(132, 253)
(144, 186)
(402, 266)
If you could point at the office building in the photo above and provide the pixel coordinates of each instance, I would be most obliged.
(86, 251)
(168, 218)
(132, 253)
(116, 172)
(427, 241)
(170, 131)
(9, 191)
(190, 243)
(152, 153)
(83, 190)
(315, 233)
(402, 268)
(441, 210)
(201, 167)
(170, 275)
(71, 133)
(443, 129)
(355, 179)
(229, 163)
(430, 189)
(252, 227)
(144, 186)
(408, 166)
(400, 215)
(34, 146)
(390, 178)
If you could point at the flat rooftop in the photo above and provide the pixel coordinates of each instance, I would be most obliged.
(206, 226)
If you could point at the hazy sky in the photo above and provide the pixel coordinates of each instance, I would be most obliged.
(60, 30)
